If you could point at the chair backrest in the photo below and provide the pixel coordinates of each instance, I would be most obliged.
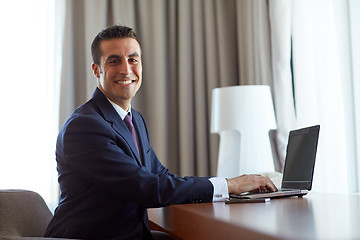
(23, 214)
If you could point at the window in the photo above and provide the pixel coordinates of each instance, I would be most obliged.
(30, 57)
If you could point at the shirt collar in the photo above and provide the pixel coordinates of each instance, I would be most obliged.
(122, 113)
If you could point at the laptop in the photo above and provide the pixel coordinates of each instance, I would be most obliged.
(299, 165)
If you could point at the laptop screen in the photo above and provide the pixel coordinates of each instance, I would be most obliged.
(300, 158)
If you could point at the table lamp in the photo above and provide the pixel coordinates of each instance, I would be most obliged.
(243, 116)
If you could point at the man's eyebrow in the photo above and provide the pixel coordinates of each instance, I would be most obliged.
(112, 57)
(134, 55)
(118, 56)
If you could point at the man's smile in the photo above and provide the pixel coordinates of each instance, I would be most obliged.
(125, 82)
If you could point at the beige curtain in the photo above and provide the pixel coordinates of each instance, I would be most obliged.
(189, 48)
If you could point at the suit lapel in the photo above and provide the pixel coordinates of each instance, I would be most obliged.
(141, 134)
(110, 115)
(120, 127)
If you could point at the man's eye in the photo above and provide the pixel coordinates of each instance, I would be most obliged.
(133, 60)
(114, 61)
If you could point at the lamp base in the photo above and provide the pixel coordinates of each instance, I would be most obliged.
(244, 153)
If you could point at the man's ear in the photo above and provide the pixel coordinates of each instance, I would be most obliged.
(96, 70)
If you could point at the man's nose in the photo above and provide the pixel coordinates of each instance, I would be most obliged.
(125, 68)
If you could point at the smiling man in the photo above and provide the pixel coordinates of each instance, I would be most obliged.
(108, 172)
(119, 70)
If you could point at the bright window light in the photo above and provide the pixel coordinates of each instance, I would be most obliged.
(30, 59)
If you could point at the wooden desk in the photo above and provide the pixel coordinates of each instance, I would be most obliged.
(315, 216)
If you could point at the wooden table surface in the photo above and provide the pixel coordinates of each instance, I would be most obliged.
(315, 216)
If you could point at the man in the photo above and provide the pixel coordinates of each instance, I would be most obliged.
(108, 173)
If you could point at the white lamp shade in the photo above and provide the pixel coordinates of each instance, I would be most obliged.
(243, 117)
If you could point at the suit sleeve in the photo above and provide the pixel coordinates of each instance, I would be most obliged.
(90, 147)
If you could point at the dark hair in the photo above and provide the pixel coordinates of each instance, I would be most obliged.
(108, 33)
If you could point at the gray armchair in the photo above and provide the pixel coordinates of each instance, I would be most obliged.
(23, 215)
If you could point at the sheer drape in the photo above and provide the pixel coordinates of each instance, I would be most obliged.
(323, 88)
(315, 36)
(280, 22)
(189, 48)
(29, 98)
(353, 63)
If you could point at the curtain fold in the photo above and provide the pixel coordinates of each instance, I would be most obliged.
(282, 91)
(73, 79)
(189, 48)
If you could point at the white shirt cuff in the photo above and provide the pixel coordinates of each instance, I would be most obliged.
(221, 192)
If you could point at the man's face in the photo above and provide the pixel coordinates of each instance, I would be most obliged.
(120, 71)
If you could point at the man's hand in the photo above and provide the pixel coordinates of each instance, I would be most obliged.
(248, 183)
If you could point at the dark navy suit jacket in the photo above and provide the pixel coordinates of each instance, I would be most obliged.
(105, 188)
